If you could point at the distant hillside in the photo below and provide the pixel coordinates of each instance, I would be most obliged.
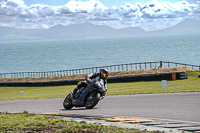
(90, 31)
(184, 27)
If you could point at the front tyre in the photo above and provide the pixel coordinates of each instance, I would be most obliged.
(92, 100)
(67, 103)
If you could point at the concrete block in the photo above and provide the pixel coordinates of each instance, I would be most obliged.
(193, 129)
(176, 125)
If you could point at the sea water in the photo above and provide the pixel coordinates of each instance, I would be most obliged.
(66, 55)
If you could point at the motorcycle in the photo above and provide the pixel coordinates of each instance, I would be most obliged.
(88, 96)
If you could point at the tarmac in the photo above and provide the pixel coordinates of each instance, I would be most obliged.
(177, 112)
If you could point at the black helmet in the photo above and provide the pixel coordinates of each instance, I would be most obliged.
(104, 73)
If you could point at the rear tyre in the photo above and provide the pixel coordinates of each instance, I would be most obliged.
(67, 103)
(92, 101)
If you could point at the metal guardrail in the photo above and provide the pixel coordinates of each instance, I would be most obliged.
(111, 68)
(174, 64)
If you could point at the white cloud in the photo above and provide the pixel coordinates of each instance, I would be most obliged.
(150, 16)
(78, 6)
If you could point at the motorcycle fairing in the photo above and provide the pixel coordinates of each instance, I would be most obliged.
(80, 101)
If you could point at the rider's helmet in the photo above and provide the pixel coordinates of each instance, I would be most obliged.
(104, 73)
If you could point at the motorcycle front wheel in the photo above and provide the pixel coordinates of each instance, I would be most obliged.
(92, 100)
(67, 103)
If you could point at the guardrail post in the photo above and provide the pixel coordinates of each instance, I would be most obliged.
(131, 66)
(160, 64)
(145, 65)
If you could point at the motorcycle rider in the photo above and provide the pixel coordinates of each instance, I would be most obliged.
(91, 78)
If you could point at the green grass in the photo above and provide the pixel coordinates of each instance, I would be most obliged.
(13, 93)
(17, 123)
(192, 84)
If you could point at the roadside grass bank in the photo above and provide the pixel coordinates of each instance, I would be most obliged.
(82, 76)
(192, 84)
(18, 123)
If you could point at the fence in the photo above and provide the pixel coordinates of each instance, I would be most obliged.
(120, 67)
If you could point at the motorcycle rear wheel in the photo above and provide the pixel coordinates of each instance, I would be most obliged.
(67, 103)
(92, 101)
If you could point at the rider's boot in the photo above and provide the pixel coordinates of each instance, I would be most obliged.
(74, 92)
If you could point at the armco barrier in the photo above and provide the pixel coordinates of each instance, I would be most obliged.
(114, 79)
(42, 83)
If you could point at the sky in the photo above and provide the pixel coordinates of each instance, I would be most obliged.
(149, 15)
(108, 3)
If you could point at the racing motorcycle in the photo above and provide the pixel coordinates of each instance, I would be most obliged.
(87, 96)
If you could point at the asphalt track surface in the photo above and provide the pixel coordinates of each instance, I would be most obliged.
(172, 106)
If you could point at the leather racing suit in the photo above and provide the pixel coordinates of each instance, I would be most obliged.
(89, 79)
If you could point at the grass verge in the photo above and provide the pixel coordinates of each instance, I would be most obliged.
(31, 123)
(192, 84)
